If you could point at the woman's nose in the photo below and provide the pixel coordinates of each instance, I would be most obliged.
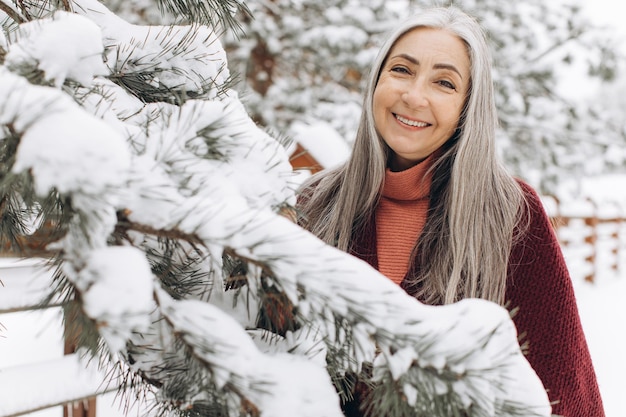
(415, 95)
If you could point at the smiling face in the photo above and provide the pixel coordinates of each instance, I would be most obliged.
(420, 94)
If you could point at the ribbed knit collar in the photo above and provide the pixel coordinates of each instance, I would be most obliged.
(410, 184)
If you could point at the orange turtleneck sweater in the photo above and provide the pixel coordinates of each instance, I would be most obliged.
(400, 217)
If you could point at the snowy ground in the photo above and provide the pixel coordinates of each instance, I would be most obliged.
(603, 312)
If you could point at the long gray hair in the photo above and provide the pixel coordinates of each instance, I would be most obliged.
(475, 204)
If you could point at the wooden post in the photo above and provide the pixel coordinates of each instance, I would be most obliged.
(592, 240)
(615, 237)
(83, 408)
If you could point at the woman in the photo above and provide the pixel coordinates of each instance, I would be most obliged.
(424, 199)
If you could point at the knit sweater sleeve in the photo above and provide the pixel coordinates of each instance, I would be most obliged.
(539, 288)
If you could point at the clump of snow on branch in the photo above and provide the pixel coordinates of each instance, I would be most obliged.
(38, 42)
(294, 385)
(117, 287)
(186, 58)
(50, 143)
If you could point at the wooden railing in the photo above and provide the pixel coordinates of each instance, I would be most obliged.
(52, 376)
(592, 235)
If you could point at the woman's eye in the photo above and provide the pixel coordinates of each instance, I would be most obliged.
(401, 70)
(447, 84)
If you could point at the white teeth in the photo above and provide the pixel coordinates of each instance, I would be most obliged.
(411, 122)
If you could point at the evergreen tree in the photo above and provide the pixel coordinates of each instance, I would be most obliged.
(165, 213)
(305, 60)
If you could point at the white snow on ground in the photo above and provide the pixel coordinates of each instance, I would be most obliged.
(603, 311)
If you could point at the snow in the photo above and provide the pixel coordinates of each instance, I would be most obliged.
(334, 36)
(19, 382)
(603, 313)
(608, 15)
(390, 319)
(104, 154)
(38, 41)
(20, 288)
(184, 58)
(117, 286)
(322, 141)
(296, 384)
(166, 184)
(35, 336)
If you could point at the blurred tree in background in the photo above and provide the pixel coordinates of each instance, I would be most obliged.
(305, 61)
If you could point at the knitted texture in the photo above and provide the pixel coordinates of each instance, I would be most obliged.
(541, 294)
(400, 218)
(547, 319)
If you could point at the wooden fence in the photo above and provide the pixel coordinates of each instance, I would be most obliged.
(39, 369)
(592, 235)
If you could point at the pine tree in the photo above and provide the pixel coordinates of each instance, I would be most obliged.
(547, 136)
(165, 213)
(305, 61)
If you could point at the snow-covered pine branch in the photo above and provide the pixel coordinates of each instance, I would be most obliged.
(279, 384)
(160, 63)
(157, 188)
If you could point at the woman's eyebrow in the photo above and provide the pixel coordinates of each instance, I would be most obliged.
(448, 67)
(436, 66)
(407, 57)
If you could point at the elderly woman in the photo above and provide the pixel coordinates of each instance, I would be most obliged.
(424, 199)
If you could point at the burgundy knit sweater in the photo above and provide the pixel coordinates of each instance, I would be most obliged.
(540, 289)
